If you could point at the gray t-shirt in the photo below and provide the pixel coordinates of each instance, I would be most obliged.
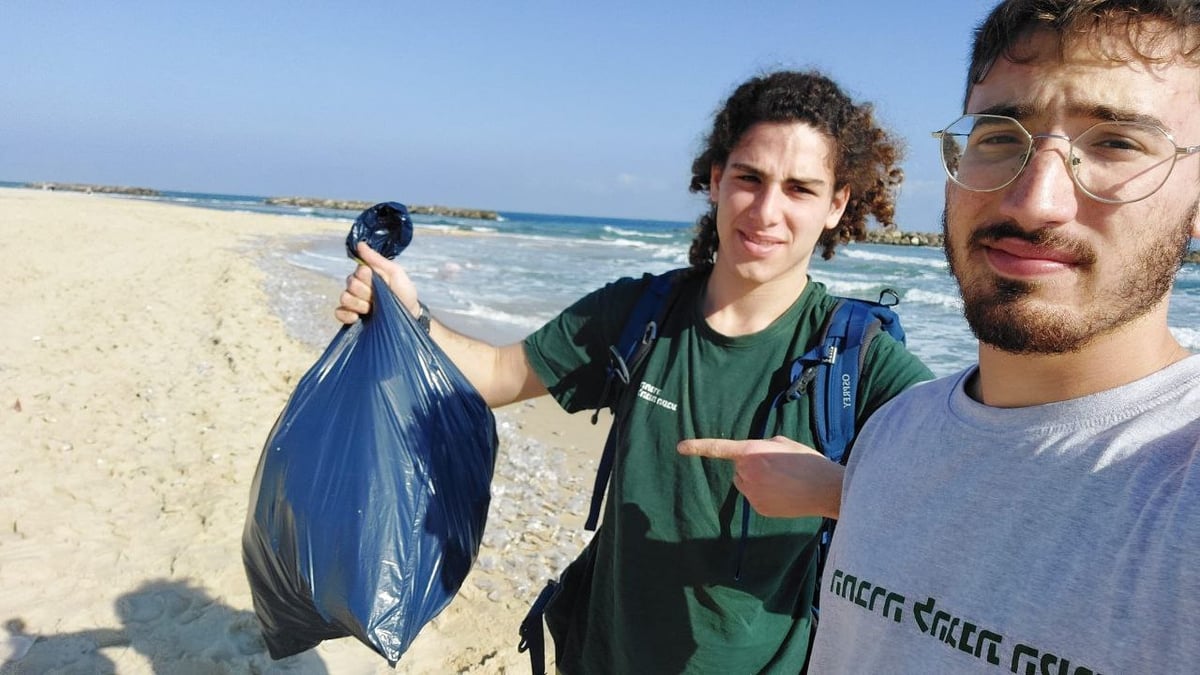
(1061, 538)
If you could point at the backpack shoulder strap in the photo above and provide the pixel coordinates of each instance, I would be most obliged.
(835, 364)
(637, 336)
(832, 367)
(634, 344)
(847, 335)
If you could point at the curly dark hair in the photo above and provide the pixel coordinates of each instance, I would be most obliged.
(866, 156)
(1146, 23)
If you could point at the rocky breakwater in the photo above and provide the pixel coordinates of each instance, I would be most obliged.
(88, 188)
(350, 205)
(898, 238)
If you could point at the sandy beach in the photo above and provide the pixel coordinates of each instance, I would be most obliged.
(147, 349)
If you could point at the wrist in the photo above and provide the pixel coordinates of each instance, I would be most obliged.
(423, 317)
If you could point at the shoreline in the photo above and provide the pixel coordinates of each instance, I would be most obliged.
(148, 357)
(874, 235)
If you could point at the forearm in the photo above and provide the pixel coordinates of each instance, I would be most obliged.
(501, 374)
(830, 499)
(804, 485)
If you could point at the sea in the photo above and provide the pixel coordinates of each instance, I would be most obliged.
(507, 277)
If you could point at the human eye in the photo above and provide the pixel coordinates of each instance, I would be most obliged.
(801, 189)
(992, 141)
(1123, 142)
(748, 177)
(995, 138)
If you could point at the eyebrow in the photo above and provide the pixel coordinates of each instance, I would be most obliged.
(1105, 113)
(807, 182)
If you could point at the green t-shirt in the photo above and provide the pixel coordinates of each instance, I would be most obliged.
(655, 590)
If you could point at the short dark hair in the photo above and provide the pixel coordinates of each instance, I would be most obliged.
(866, 157)
(1146, 24)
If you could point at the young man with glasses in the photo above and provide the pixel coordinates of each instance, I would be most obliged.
(1040, 513)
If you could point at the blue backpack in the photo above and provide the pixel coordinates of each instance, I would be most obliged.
(832, 367)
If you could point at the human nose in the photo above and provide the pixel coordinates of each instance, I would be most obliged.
(768, 204)
(1045, 191)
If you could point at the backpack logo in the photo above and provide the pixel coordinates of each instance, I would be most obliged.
(847, 399)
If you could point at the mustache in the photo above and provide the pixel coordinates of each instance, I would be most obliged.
(1049, 238)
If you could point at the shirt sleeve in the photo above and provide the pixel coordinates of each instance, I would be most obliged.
(570, 352)
(888, 370)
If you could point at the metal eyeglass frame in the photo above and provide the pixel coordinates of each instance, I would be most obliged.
(1071, 160)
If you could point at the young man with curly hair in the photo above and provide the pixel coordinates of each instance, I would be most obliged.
(791, 164)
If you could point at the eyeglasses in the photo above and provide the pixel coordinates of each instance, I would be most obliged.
(1111, 162)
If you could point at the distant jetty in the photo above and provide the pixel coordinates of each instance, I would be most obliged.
(308, 202)
(344, 205)
(102, 189)
(897, 238)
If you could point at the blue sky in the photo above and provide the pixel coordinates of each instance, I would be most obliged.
(550, 107)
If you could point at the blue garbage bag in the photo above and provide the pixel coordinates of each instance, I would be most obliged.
(369, 502)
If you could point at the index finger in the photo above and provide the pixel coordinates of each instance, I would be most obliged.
(716, 448)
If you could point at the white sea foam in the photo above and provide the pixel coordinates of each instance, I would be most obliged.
(1188, 337)
(865, 289)
(859, 254)
(675, 254)
(919, 296)
(442, 228)
(637, 233)
(492, 315)
(322, 263)
(630, 243)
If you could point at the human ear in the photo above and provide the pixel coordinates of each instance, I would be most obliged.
(837, 206)
(714, 181)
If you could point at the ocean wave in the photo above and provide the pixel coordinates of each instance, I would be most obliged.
(627, 243)
(328, 265)
(677, 255)
(865, 289)
(435, 228)
(558, 241)
(859, 254)
(916, 295)
(620, 232)
(453, 228)
(1189, 338)
(491, 314)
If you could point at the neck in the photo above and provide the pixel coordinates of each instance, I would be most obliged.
(735, 306)
(1135, 350)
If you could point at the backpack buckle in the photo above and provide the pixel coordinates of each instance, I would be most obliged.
(831, 354)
